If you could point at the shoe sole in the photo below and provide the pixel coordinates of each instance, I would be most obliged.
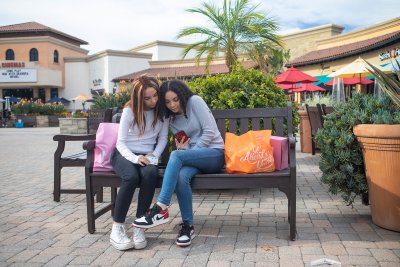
(141, 245)
(150, 226)
(121, 247)
(185, 244)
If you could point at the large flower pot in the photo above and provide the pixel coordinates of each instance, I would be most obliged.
(380, 144)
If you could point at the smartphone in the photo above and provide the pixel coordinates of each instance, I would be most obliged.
(180, 135)
(153, 160)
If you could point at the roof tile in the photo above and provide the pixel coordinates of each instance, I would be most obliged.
(177, 72)
(342, 51)
(35, 27)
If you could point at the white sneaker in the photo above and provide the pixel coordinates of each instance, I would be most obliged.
(139, 238)
(119, 239)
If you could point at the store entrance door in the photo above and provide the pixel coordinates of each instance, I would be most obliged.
(19, 93)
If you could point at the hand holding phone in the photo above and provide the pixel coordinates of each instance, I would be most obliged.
(180, 135)
(181, 140)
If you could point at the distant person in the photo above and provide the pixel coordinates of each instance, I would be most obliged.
(202, 151)
(141, 135)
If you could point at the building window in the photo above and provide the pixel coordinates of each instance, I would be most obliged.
(55, 56)
(10, 54)
(33, 55)
(53, 93)
(42, 95)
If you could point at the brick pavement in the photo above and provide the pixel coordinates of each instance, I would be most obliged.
(235, 228)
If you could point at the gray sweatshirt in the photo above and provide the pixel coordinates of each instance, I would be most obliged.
(129, 142)
(200, 125)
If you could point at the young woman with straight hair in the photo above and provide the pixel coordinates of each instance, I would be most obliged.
(142, 134)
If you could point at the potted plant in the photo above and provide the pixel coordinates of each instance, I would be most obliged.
(342, 164)
(380, 144)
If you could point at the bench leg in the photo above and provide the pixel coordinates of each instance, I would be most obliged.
(99, 195)
(312, 146)
(292, 217)
(57, 181)
(90, 209)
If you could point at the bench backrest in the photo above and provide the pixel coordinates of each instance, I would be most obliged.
(316, 120)
(96, 116)
(239, 121)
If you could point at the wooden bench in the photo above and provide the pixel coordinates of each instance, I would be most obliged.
(77, 159)
(235, 120)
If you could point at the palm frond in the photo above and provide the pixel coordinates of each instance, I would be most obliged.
(390, 86)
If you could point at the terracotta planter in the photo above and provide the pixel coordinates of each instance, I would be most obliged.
(380, 145)
(305, 132)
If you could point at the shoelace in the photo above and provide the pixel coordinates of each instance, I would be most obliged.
(151, 212)
(121, 231)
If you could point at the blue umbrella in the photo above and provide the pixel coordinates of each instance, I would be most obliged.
(13, 99)
(58, 100)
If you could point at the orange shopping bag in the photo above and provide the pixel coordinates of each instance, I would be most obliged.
(249, 153)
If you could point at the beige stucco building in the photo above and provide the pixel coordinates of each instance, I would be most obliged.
(378, 44)
(40, 62)
(32, 60)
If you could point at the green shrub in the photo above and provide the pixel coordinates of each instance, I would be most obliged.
(242, 89)
(37, 108)
(111, 100)
(341, 162)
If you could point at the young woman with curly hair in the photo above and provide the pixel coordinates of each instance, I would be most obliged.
(201, 152)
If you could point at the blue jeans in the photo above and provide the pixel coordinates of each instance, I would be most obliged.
(182, 166)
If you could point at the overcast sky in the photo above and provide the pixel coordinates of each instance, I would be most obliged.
(124, 24)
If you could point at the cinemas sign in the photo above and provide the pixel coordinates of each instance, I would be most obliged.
(15, 72)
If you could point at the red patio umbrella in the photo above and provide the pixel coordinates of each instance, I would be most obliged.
(297, 90)
(293, 75)
(287, 86)
(352, 81)
(308, 87)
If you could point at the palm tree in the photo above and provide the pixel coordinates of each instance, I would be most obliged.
(236, 28)
(269, 57)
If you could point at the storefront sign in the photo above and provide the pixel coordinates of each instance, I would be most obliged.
(389, 54)
(18, 75)
(97, 82)
(13, 65)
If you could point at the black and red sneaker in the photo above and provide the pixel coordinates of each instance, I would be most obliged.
(155, 216)
(185, 236)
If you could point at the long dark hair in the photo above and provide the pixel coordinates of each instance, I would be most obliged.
(139, 85)
(181, 90)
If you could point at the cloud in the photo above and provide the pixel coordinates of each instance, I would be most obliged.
(123, 24)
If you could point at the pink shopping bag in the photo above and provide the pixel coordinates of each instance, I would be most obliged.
(280, 151)
(106, 139)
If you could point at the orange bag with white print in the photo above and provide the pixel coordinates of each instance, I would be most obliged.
(249, 153)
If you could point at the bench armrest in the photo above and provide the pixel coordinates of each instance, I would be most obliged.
(89, 145)
(62, 138)
(67, 137)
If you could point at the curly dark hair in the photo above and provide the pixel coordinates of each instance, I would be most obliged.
(181, 90)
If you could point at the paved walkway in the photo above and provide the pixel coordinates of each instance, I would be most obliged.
(235, 228)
